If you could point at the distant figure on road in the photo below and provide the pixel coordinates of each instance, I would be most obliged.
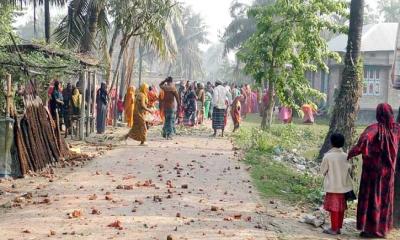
(219, 108)
(129, 105)
(170, 96)
(102, 101)
(201, 99)
(235, 112)
(378, 145)
(138, 131)
(190, 107)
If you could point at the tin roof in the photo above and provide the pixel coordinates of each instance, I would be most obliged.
(376, 38)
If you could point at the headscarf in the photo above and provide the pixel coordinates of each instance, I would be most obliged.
(102, 93)
(144, 89)
(385, 118)
(76, 98)
(103, 87)
(130, 94)
(67, 92)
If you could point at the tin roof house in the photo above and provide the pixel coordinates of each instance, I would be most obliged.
(380, 49)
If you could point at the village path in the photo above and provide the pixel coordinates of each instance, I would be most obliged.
(210, 196)
(193, 187)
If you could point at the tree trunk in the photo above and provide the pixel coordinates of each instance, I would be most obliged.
(34, 19)
(131, 64)
(347, 101)
(124, 68)
(140, 63)
(47, 20)
(121, 53)
(90, 31)
(268, 110)
(109, 55)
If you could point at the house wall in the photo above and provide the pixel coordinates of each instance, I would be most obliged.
(381, 61)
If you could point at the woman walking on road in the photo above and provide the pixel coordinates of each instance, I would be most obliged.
(129, 105)
(378, 145)
(139, 130)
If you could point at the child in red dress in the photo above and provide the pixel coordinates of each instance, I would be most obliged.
(337, 182)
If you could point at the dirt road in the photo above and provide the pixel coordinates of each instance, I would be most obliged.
(188, 188)
(193, 187)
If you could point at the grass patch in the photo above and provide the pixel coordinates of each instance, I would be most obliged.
(279, 180)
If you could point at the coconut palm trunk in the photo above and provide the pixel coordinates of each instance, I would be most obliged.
(346, 106)
(46, 20)
(90, 30)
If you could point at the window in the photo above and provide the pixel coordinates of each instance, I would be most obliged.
(372, 82)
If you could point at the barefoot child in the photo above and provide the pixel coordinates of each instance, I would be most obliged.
(337, 182)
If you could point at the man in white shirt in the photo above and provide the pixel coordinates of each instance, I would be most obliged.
(219, 111)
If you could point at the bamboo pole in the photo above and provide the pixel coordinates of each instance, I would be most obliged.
(89, 97)
(9, 95)
(93, 107)
(83, 78)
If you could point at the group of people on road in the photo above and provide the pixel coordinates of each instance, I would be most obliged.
(378, 145)
(191, 104)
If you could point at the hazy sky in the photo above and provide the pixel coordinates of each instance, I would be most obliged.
(214, 12)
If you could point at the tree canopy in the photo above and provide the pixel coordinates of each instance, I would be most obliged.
(288, 43)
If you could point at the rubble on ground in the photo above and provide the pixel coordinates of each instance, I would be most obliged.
(297, 162)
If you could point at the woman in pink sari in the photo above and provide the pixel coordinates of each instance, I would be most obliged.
(254, 102)
(243, 102)
(285, 114)
(249, 98)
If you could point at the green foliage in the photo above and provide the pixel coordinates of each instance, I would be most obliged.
(288, 43)
(279, 179)
(390, 10)
(6, 13)
(189, 36)
(276, 179)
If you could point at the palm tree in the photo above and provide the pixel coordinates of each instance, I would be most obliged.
(347, 101)
(390, 9)
(46, 3)
(189, 36)
(85, 18)
(242, 26)
(142, 19)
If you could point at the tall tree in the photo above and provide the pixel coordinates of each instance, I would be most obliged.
(390, 9)
(347, 101)
(141, 18)
(286, 45)
(80, 27)
(242, 26)
(47, 16)
(190, 34)
(47, 20)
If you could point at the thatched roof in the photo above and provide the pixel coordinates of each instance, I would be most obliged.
(84, 59)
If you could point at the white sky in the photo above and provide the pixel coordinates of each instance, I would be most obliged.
(214, 12)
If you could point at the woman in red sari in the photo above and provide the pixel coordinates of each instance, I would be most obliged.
(378, 146)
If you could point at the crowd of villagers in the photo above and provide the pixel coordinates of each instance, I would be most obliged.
(184, 103)
(191, 103)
